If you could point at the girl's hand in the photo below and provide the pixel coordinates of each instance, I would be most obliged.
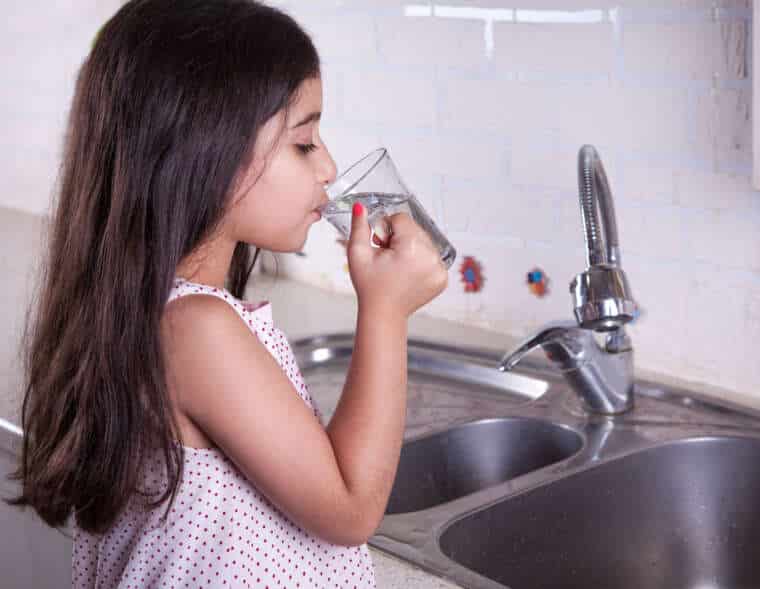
(400, 277)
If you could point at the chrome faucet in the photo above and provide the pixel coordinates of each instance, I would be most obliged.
(601, 376)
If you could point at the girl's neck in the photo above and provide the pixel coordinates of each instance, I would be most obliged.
(209, 264)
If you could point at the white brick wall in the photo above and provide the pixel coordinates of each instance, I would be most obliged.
(483, 105)
(485, 120)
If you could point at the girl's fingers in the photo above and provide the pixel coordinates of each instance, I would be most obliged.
(379, 242)
(381, 232)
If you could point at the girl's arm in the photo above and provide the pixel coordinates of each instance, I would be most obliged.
(367, 427)
(334, 483)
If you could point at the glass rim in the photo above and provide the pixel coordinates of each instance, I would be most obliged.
(380, 153)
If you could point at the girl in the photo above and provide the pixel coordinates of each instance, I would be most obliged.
(161, 412)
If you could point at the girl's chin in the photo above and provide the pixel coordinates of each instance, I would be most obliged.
(295, 247)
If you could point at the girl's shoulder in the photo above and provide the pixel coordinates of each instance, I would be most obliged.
(201, 336)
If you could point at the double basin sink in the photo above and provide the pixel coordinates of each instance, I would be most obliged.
(505, 481)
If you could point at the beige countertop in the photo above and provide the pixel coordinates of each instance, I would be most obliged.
(300, 310)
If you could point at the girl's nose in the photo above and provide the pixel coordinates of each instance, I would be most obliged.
(327, 170)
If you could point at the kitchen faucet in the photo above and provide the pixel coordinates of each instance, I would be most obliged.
(601, 376)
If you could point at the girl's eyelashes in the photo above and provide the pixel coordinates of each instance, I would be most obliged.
(308, 148)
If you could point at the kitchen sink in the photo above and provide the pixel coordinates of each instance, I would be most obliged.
(682, 515)
(505, 480)
(447, 465)
(514, 484)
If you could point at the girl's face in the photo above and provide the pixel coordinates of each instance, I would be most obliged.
(274, 209)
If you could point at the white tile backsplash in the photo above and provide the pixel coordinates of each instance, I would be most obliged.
(686, 50)
(386, 97)
(661, 88)
(555, 49)
(732, 129)
(708, 190)
(404, 43)
(483, 106)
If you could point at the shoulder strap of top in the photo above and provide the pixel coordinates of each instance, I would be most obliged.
(251, 314)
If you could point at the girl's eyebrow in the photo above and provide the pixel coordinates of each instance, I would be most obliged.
(315, 116)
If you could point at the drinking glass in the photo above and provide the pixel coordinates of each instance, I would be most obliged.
(375, 182)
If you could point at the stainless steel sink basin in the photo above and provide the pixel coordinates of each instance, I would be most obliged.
(447, 465)
(682, 515)
(514, 484)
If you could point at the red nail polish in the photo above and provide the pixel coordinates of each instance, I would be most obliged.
(358, 208)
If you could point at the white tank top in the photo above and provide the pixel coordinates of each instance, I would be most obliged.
(221, 531)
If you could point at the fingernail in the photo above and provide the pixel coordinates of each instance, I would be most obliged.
(358, 208)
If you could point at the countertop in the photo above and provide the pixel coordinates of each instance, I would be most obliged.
(300, 310)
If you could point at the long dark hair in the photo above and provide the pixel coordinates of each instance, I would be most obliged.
(165, 114)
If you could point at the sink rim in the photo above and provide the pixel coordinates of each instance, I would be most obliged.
(474, 421)
(533, 366)
(429, 357)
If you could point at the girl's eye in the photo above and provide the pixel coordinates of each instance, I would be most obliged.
(308, 148)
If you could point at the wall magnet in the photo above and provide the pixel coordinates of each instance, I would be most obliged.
(538, 282)
(472, 274)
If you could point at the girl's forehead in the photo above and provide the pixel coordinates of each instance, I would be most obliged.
(308, 101)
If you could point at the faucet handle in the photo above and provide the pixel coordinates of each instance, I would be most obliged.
(562, 340)
(602, 377)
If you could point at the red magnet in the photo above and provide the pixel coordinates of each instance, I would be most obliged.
(472, 275)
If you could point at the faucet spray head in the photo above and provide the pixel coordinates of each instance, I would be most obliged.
(602, 298)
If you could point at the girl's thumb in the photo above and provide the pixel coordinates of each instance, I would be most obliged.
(360, 230)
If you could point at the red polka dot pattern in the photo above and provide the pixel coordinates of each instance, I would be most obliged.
(220, 532)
